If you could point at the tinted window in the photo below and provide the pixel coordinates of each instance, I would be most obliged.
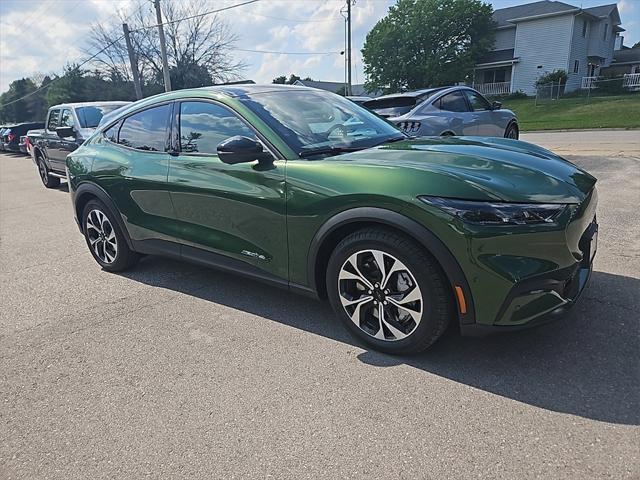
(146, 130)
(66, 118)
(89, 117)
(112, 132)
(477, 101)
(52, 123)
(453, 102)
(204, 125)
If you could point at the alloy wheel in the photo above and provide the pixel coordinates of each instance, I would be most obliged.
(380, 295)
(101, 236)
(43, 172)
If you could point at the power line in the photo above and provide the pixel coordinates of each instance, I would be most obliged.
(117, 40)
(294, 20)
(56, 79)
(284, 53)
(198, 15)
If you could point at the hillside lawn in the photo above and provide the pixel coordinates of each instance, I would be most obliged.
(570, 113)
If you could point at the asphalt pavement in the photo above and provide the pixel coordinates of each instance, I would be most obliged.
(176, 371)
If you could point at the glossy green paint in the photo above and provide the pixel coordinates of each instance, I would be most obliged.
(273, 214)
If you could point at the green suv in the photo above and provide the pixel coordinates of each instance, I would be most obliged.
(306, 190)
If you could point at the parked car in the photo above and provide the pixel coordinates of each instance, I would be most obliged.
(32, 136)
(23, 145)
(66, 128)
(446, 111)
(11, 135)
(359, 99)
(306, 190)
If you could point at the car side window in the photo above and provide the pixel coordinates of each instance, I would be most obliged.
(66, 118)
(453, 102)
(146, 130)
(204, 125)
(52, 122)
(477, 101)
(111, 133)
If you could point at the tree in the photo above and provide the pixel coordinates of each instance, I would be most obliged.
(423, 43)
(282, 79)
(636, 45)
(21, 110)
(198, 47)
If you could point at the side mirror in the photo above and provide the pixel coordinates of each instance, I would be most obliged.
(496, 105)
(240, 149)
(64, 132)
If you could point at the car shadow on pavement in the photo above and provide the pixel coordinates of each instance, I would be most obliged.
(586, 364)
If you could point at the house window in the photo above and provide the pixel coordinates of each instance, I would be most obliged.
(576, 66)
(606, 29)
(584, 28)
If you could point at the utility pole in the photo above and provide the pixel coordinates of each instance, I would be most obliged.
(348, 47)
(133, 62)
(163, 48)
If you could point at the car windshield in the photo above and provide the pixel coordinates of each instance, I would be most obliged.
(90, 117)
(312, 119)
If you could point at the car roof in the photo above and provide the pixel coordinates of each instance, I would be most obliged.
(246, 89)
(90, 104)
(414, 93)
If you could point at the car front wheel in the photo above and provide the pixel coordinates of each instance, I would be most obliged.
(104, 238)
(388, 291)
(47, 180)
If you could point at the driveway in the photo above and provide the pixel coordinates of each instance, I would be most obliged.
(176, 371)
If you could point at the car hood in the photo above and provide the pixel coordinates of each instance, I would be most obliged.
(479, 168)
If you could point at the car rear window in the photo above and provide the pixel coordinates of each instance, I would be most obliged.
(392, 106)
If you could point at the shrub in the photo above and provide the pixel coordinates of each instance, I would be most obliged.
(553, 77)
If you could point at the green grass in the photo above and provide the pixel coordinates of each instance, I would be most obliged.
(567, 113)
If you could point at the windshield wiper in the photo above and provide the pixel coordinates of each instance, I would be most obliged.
(334, 150)
(392, 140)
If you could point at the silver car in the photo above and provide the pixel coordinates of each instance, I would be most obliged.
(446, 111)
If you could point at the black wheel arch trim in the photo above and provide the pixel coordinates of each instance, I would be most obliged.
(97, 191)
(410, 227)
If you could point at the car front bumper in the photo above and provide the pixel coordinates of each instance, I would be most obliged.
(549, 295)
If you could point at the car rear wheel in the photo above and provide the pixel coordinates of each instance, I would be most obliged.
(512, 131)
(104, 238)
(388, 291)
(47, 180)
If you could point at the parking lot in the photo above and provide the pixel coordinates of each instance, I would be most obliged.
(176, 371)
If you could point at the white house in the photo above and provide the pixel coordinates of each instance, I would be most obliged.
(538, 38)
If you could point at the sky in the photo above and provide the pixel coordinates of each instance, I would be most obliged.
(44, 35)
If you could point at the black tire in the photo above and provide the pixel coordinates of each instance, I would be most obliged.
(47, 180)
(447, 134)
(437, 306)
(111, 259)
(512, 131)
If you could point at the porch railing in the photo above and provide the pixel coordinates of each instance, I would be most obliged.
(589, 83)
(631, 80)
(498, 88)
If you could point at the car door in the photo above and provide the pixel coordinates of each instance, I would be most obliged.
(132, 168)
(226, 212)
(488, 121)
(51, 141)
(71, 143)
(453, 107)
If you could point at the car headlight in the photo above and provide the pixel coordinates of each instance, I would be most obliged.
(497, 213)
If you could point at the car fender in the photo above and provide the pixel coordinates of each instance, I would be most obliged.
(94, 190)
(410, 227)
